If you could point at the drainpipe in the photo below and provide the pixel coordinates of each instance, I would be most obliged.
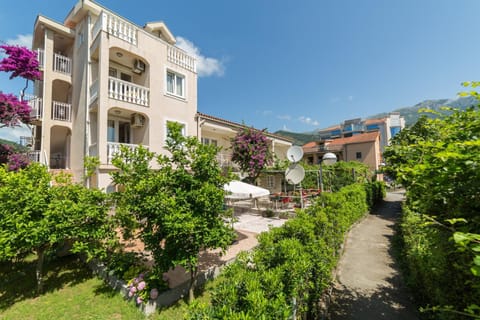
(87, 100)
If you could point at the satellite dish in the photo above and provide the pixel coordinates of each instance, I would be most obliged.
(294, 174)
(294, 154)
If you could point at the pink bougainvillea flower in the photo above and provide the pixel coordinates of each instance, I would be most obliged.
(141, 286)
(21, 62)
(13, 111)
(139, 300)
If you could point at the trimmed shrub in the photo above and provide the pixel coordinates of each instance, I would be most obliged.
(291, 267)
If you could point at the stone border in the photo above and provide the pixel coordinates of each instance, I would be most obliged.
(165, 298)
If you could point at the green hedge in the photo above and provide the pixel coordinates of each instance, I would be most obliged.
(291, 267)
(435, 268)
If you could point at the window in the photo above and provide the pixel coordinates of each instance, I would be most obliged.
(209, 141)
(175, 84)
(118, 131)
(184, 128)
(270, 182)
(112, 72)
(80, 38)
(359, 155)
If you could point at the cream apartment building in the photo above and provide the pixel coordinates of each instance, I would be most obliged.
(107, 82)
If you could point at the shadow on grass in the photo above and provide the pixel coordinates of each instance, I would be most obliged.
(18, 281)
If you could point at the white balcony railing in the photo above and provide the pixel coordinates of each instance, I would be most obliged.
(62, 64)
(114, 148)
(128, 92)
(62, 111)
(41, 58)
(181, 58)
(26, 141)
(34, 156)
(224, 159)
(36, 104)
(94, 91)
(116, 27)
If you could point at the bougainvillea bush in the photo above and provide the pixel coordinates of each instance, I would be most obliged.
(250, 152)
(21, 62)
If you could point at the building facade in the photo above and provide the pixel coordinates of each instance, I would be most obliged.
(388, 127)
(106, 83)
(219, 132)
(362, 147)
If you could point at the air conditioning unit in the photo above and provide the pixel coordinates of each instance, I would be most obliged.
(138, 66)
(137, 120)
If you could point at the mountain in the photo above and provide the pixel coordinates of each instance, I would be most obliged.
(410, 114)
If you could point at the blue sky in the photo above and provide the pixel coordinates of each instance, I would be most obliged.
(301, 65)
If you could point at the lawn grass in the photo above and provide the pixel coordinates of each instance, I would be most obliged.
(71, 292)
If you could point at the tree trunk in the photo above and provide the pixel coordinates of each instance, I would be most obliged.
(39, 269)
(193, 283)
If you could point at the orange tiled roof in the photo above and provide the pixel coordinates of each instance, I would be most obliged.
(310, 144)
(358, 138)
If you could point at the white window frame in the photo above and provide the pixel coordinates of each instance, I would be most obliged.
(209, 141)
(184, 131)
(184, 84)
(270, 181)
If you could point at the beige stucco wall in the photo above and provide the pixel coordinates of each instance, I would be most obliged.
(370, 153)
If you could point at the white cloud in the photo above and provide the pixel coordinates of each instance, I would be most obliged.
(350, 98)
(206, 66)
(308, 121)
(24, 40)
(285, 128)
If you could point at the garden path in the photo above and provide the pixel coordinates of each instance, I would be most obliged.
(368, 283)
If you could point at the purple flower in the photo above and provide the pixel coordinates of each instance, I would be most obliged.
(141, 286)
(13, 111)
(154, 294)
(21, 61)
(133, 289)
(139, 300)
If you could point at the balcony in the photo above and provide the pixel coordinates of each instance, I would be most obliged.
(181, 58)
(34, 156)
(62, 64)
(62, 111)
(116, 27)
(41, 58)
(224, 159)
(114, 148)
(128, 92)
(94, 91)
(36, 104)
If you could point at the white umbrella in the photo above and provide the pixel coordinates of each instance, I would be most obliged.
(241, 190)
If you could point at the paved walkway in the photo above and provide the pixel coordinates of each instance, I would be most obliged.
(368, 285)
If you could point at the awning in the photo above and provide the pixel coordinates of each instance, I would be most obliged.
(240, 190)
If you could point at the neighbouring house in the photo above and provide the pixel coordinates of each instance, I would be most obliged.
(388, 127)
(361, 147)
(219, 132)
(106, 82)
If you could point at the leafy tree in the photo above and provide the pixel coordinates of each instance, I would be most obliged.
(177, 209)
(437, 162)
(43, 216)
(250, 152)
